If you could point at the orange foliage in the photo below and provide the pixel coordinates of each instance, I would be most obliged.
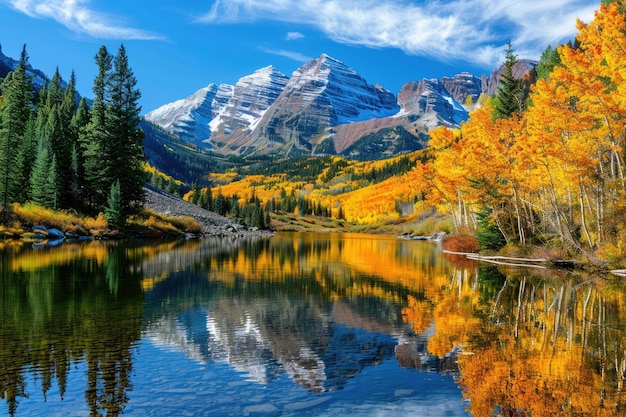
(418, 314)
(460, 243)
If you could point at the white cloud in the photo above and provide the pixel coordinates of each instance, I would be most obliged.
(292, 36)
(470, 30)
(78, 17)
(296, 56)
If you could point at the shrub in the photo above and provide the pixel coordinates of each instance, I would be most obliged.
(99, 223)
(460, 242)
(32, 214)
(160, 224)
(185, 223)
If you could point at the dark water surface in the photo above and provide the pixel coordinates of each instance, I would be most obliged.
(301, 324)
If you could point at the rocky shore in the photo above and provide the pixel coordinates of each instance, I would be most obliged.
(212, 223)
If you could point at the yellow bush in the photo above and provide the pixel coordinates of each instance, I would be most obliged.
(160, 224)
(32, 214)
(151, 222)
(99, 223)
(185, 223)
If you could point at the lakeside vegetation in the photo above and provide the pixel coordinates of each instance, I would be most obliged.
(541, 165)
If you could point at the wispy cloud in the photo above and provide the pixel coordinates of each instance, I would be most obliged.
(292, 36)
(296, 56)
(78, 17)
(470, 30)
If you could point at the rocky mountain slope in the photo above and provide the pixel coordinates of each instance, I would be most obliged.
(325, 107)
(212, 223)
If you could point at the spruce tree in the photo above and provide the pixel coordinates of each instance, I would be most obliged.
(39, 174)
(123, 119)
(44, 183)
(15, 111)
(550, 59)
(114, 146)
(508, 100)
(79, 123)
(54, 190)
(25, 160)
(114, 209)
(96, 144)
(67, 143)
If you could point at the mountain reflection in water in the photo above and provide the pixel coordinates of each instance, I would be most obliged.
(328, 324)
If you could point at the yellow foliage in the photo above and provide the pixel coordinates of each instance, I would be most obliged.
(99, 223)
(155, 172)
(184, 223)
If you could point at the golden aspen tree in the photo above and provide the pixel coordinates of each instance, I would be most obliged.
(577, 124)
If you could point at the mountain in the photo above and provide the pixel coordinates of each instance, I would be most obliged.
(251, 98)
(463, 85)
(324, 108)
(189, 118)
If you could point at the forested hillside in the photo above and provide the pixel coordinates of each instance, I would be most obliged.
(540, 165)
(61, 154)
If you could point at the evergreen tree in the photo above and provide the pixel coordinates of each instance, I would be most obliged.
(66, 145)
(25, 159)
(15, 111)
(172, 188)
(208, 197)
(488, 235)
(508, 100)
(220, 204)
(114, 209)
(54, 191)
(549, 59)
(122, 120)
(74, 174)
(79, 123)
(39, 174)
(96, 142)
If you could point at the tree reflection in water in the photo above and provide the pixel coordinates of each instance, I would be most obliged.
(525, 342)
(59, 308)
(534, 342)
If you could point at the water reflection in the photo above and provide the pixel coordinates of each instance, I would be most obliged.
(538, 342)
(58, 308)
(314, 309)
(317, 310)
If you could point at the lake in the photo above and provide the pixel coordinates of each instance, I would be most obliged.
(302, 325)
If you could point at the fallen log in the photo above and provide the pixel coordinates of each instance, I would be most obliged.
(503, 260)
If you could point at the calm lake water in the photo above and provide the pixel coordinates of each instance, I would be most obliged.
(301, 325)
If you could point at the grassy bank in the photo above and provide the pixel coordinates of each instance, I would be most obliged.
(22, 219)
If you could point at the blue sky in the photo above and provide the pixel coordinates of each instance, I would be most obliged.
(178, 47)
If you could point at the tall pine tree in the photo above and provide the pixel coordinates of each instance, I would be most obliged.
(15, 111)
(79, 124)
(97, 144)
(122, 121)
(509, 99)
(114, 141)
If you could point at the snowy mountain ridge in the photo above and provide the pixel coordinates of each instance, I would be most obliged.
(325, 107)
